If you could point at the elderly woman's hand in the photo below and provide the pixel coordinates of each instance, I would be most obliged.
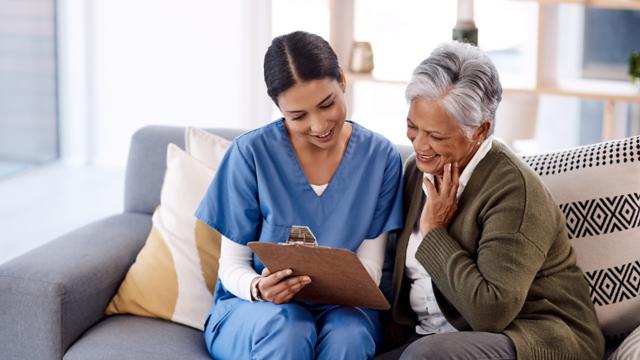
(441, 201)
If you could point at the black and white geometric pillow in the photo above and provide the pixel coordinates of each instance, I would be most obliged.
(598, 189)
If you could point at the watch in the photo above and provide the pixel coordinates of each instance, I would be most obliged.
(255, 290)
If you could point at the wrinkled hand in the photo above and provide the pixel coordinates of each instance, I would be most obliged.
(441, 201)
(278, 288)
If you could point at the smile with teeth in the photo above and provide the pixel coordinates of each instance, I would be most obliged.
(426, 158)
(324, 135)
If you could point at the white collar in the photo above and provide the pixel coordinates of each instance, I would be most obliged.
(468, 170)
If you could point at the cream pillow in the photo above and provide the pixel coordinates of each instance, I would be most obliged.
(205, 146)
(175, 273)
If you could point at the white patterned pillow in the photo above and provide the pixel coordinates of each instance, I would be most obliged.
(598, 189)
(630, 347)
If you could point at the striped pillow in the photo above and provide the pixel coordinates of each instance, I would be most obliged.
(175, 273)
(598, 189)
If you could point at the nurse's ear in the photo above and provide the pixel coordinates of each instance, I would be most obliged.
(342, 81)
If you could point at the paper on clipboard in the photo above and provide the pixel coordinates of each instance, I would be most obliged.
(337, 275)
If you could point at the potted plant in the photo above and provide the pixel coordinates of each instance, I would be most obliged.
(634, 67)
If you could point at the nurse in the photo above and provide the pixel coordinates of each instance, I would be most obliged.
(312, 168)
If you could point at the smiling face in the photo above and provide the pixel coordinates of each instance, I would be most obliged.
(438, 139)
(315, 112)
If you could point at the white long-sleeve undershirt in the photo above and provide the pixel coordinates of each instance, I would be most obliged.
(236, 273)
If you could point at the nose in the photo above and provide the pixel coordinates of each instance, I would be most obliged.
(421, 142)
(319, 125)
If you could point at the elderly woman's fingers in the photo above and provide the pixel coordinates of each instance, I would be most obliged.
(455, 179)
(446, 179)
(431, 188)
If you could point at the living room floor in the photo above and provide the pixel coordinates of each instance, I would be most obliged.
(39, 204)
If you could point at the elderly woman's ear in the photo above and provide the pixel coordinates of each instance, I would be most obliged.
(481, 132)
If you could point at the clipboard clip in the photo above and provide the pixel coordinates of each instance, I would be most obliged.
(301, 235)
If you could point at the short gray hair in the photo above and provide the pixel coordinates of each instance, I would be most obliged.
(463, 80)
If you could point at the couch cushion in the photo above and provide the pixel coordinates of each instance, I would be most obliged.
(598, 189)
(125, 337)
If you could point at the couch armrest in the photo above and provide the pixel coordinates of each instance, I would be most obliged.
(51, 295)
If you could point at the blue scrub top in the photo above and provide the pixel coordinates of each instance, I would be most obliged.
(260, 191)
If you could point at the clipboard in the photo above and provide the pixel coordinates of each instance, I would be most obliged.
(337, 275)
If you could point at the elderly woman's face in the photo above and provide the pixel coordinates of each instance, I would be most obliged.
(315, 111)
(438, 139)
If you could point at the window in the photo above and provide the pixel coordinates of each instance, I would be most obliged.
(28, 94)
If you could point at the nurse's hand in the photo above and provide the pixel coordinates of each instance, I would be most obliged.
(441, 202)
(278, 287)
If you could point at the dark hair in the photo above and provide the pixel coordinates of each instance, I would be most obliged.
(298, 56)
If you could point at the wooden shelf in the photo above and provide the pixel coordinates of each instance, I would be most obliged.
(581, 88)
(595, 90)
(605, 4)
(543, 81)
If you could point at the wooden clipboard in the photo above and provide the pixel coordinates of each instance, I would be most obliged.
(337, 275)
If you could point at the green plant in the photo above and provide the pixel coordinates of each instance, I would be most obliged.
(634, 66)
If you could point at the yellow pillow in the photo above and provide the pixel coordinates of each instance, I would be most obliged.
(175, 273)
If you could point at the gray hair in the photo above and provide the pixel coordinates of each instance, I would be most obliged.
(463, 80)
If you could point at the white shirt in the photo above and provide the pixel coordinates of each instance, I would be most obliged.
(236, 272)
(421, 296)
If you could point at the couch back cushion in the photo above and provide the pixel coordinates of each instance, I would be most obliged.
(147, 162)
(598, 189)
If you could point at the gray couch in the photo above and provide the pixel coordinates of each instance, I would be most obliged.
(52, 299)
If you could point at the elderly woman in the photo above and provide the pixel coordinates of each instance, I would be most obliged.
(484, 268)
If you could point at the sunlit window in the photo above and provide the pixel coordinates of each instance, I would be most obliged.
(28, 98)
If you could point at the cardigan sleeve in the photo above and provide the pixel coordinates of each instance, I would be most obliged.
(489, 291)
(489, 288)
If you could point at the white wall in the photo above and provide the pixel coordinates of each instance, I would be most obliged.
(167, 62)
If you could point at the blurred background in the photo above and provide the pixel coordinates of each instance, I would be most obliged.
(78, 78)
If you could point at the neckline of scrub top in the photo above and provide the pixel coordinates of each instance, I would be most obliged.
(301, 178)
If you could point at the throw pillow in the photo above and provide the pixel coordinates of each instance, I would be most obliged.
(598, 189)
(630, 347)
(205, 146)
(175, 273)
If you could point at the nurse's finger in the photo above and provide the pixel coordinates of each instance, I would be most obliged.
(266, 272)
(274, 278)
(270, 293)
(288, 293)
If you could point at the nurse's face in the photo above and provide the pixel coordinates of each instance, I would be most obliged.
(315, 111)
(438, 139)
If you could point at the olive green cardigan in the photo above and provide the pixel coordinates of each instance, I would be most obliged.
(504, 265)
